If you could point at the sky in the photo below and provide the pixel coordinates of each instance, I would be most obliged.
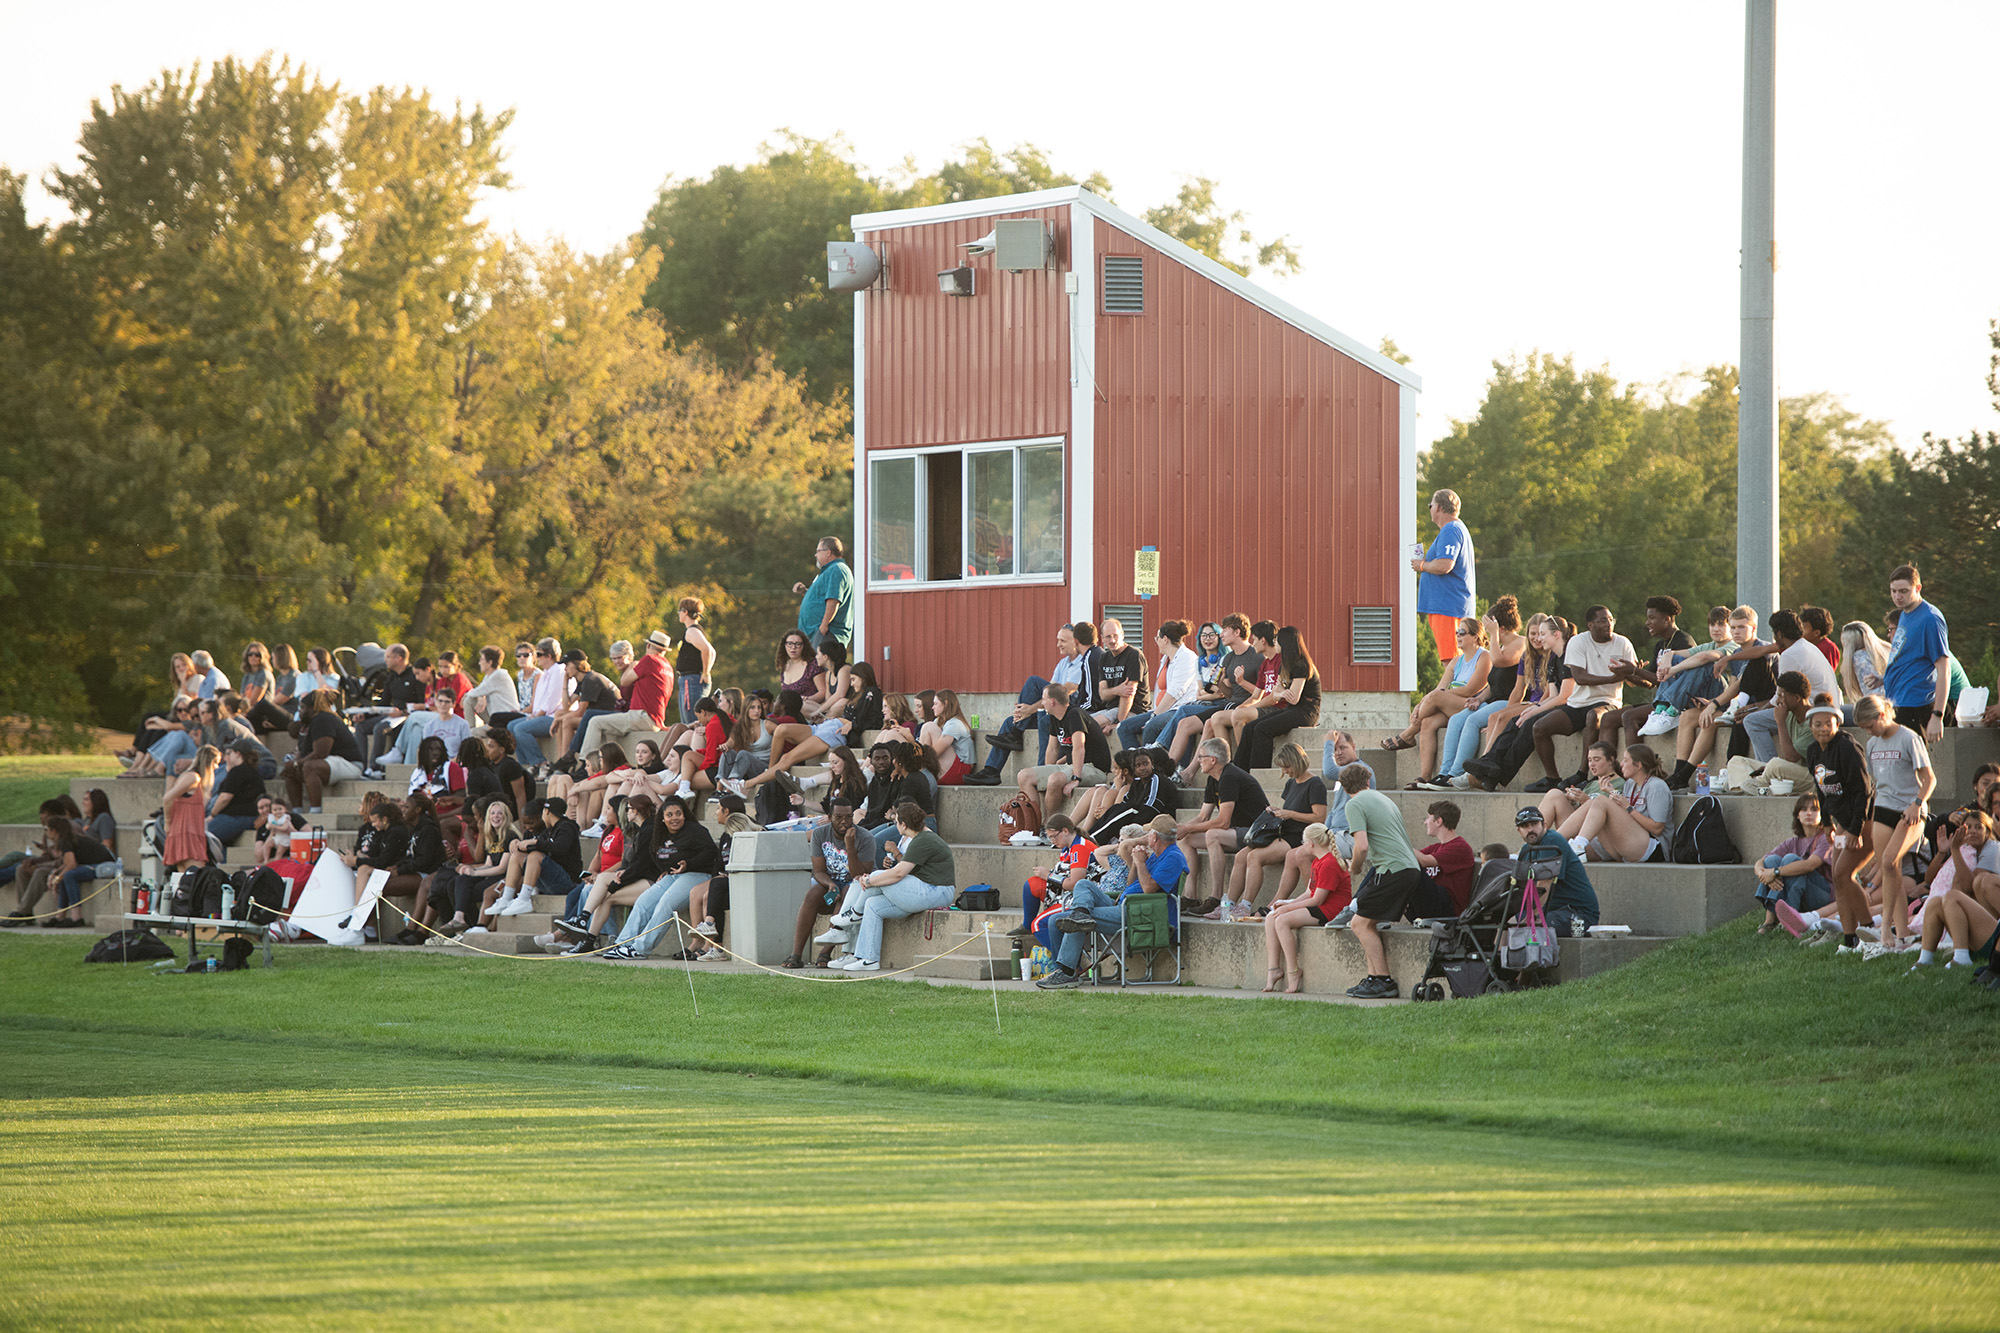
(1476, 181)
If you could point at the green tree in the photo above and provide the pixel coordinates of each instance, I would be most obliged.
(985, 173)
(1197, 220)
(1579, 489)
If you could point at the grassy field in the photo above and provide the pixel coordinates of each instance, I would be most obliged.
(1724, 1134)
(26, 780)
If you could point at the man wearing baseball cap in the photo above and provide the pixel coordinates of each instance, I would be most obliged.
(645, 686)
(1572, 902)
(1157, 867)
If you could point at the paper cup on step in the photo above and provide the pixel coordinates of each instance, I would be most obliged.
(1781, 786)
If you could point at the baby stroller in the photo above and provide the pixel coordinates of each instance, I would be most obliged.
(363, 674)
(1465, 949)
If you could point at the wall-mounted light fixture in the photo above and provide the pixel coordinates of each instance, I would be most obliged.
(956, 281)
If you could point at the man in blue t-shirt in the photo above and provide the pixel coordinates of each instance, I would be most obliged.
(826, 610)
(1571, 902)
(1157, 867)
(1446, 587)
(1918, 677)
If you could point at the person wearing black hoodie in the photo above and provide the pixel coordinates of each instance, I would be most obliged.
(621, 885)
(1840, 776)
(688, 857)
(547, 859)
(423, 856)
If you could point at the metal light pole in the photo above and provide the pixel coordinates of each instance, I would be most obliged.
(1756, 386)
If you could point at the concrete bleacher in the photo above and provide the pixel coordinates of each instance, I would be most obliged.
(1658, 902)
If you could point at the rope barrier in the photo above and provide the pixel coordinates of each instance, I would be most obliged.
(109, 884)
(985, 932)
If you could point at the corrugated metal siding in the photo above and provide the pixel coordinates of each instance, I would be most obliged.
(956, 369)
(1260, 461)
(966, 370)
(970, 638)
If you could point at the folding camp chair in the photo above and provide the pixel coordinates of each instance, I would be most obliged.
(1146, 925)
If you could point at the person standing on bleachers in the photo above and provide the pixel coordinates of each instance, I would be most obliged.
(1447, 587)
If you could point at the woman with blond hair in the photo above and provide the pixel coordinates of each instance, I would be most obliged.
(1520, 661)
(1863, 659)
(186, 801)
(1328, 890)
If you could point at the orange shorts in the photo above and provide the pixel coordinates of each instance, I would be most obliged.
(1445, 630)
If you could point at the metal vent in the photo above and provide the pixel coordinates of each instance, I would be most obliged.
(1124, 285)
(1131, 617)
(1374, 636)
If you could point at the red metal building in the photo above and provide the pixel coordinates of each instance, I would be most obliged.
(1031, 417)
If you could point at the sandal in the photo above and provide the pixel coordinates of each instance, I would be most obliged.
(793, 961)
(1271, 978)
(1396, 742)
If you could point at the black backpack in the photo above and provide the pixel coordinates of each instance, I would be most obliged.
(128, 946)
(260, 894)
(1703, 839)
(199, 892)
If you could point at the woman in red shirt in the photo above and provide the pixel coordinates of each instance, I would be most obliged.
(1329, 890)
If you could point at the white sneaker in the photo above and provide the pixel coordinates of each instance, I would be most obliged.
(521, 906)
(685, 792)
(1461, 781)
(1849, 949)
(838, 935)
(1579, 845)
(1661, 722)
(596, 829)
(475, 930)
(846, 920)
(1872, 950)
(734, 786)
(706, 929)
(1868, 933)
(501, 904)
(859, 964)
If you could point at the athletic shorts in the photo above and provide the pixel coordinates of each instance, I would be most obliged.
(1405, 894)
(1320, 916)
(1887, 817)
(1578, 716)
(1445, 630)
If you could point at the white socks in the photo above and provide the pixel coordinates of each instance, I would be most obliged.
(1961, 958)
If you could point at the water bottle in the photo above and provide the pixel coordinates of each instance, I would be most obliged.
(140, 901)
(228, 903)
(1701, 779)
(1014, 965)
(208, 964)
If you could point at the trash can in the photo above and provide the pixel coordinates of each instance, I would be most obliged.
(768, 876)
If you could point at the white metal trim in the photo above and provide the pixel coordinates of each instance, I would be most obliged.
(1080, 513)
(863, 555)
(923, 515)
(1079, 198)
(1406, 527)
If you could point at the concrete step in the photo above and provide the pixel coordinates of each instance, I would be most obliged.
(965, 966)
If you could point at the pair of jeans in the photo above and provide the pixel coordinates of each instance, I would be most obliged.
(528, 734)
(650, 916)
(1762, 729)
(227, 827)
(583, 727)
(1260, 738)
(1807, 893)
(69, 890)
(1031, 693)
(1461, 737)
(687, 693)
(1103, 909)
(1688, 687)
(906, 897)
(1142, 729)
(173, 747)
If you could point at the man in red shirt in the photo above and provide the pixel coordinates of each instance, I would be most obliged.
(1073, 853)
(1449, 859)
(645, 687)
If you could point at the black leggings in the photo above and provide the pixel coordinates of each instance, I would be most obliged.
(1260, 738)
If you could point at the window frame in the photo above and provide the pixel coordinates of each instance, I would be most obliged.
(923, 517)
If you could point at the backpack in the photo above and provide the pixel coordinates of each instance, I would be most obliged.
(1703, 839)
(199, 892)
(774, 800)
(128, 946)
(261, 894)
(1019, 815)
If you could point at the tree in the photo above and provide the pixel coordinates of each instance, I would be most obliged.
(1579, 489)
(983, 173)
(1387, 347)
(1196, 220)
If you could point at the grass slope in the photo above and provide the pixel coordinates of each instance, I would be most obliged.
(273, 1182)
(26, 780)
(1725, 1040)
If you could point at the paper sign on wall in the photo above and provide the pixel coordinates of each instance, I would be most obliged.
(1146, 571)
